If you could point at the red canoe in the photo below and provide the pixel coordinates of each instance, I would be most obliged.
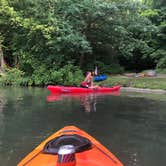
(68, 89)
(88, 151)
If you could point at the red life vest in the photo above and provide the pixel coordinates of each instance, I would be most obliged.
(85, 84)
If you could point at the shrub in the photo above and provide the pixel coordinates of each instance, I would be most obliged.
(105, 68)
(162, 63)
(67, 75)
(41, 76)
(116, 69)
(12, 76)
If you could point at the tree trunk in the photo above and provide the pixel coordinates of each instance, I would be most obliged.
(81, 60)
(2, 62)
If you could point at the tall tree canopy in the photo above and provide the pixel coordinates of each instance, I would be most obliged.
(41, 36)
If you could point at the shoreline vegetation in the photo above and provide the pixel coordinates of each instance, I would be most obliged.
(131, 89)
(156, 84)
(58, 47)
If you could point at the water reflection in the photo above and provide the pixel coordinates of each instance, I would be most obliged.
(89, 103)
(131, 125)
(2, 104)
(87, 100)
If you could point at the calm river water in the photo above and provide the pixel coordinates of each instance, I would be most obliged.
(130, 125)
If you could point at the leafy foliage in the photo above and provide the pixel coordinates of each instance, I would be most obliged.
(12, 77)
(42, 37)
(68, 75)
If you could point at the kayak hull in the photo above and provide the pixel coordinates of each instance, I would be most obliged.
(97, 155)
(65, 89)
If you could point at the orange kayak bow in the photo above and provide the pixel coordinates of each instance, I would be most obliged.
(88, 151)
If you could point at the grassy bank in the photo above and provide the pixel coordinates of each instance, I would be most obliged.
(145, 82)
(15, 77)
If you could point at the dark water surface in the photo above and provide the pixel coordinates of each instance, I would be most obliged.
(130, 125)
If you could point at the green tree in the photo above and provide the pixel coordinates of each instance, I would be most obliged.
(45, 36)
(2, 64)
(156, 13)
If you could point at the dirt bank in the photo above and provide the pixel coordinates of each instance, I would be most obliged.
(130, 89)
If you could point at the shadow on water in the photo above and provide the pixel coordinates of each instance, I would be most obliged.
(131, 125)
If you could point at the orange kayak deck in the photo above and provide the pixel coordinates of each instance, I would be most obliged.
(97, 155)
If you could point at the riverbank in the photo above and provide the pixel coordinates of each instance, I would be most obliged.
(155, 84)
(131, 89)
(142, 84)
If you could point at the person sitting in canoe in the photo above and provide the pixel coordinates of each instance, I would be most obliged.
(88, 81)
